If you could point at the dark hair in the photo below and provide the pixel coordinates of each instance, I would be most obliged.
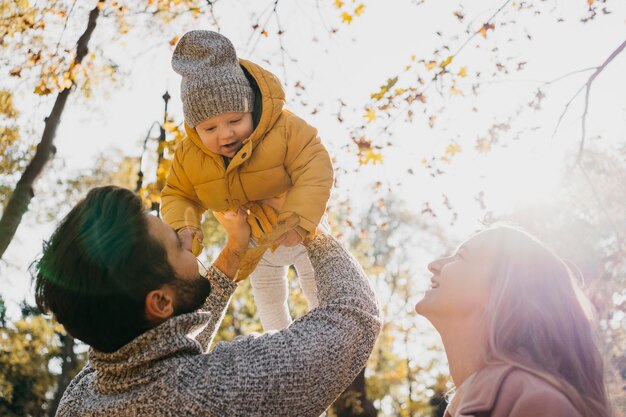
(98, 267)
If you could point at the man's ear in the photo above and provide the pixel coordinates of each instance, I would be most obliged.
(160, 304)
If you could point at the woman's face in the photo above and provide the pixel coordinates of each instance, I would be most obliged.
(460, 282)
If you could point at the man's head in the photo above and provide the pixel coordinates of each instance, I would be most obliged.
(213, 83)
(110, 271)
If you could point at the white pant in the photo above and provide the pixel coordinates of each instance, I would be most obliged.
(270, 287)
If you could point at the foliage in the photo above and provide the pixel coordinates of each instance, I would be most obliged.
(30, 355)
(591, 233)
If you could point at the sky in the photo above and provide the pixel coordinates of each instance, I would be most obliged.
(352, 64)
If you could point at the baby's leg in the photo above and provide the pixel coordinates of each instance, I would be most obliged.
(269, 287)
(306, 275)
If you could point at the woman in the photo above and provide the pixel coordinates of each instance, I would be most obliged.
(516, 330)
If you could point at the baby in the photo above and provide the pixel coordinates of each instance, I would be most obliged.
(244, 149)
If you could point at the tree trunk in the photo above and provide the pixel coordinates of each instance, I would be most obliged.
(68, 369)
(24, 192)
(353, 401)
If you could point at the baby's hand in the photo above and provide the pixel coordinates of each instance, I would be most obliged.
(187, 235)
(288, 239)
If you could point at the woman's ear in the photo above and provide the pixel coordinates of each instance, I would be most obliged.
(160, 304)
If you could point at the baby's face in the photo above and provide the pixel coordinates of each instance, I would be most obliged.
(224, 134)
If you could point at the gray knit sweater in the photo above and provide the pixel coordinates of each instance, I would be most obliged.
(299, 371)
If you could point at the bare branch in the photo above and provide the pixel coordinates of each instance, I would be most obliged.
(443, 70)
(588, 91)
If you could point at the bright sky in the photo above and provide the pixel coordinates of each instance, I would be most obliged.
(351, 65)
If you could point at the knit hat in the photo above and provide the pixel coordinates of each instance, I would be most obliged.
(213, 82)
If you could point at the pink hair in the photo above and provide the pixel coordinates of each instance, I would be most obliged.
(539, 320)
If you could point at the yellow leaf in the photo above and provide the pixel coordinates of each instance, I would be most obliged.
(42, 89)
(399, 91)
(359, 9)
(370, 115)
(455, 91)
(169, 126)
(408, 67)
(412, 57)
(590, 2)
(346, 17)
(447, 61)
(264, 33)
(452, 149)
(371, 156)
(485, 28)
(463, 72)
(174, 40)
(430, 65)
(338, 4)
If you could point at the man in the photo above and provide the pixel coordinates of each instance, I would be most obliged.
(120, 280)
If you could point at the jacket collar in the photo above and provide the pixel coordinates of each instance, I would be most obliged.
(134, 363)
(481, 395)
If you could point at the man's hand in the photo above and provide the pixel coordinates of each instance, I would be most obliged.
(289, 239)
(187, 235)
(237, 229)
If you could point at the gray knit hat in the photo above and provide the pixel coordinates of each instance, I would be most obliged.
(213, 82)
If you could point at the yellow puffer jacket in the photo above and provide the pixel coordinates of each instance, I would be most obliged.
(283, 154)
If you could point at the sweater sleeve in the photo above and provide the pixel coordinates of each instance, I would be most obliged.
(216, 303)
(180, 205)
(304, 368)
(308, 164)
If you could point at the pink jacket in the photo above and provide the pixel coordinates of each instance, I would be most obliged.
(507, 391)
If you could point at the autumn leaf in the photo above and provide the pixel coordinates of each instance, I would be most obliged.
(446, 62)
(485, 28)
(170, 126)
(421, 97)
(42, 89)
(370, 115)
(264, 33)
(463, 72)
(384, 89)
(174, 40)
(430, 65)
(483, 145)
(338, 4)
(453, 149)
(15, 72)
(346, 17)
(590, 2)
(371, 156)
(399, 91)
(359, 9)
(456, 91)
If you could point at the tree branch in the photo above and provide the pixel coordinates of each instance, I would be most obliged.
(24, 192)
(591, 79)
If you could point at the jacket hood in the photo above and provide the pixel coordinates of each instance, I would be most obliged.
(269, 102)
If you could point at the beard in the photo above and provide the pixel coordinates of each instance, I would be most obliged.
(190, 294)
